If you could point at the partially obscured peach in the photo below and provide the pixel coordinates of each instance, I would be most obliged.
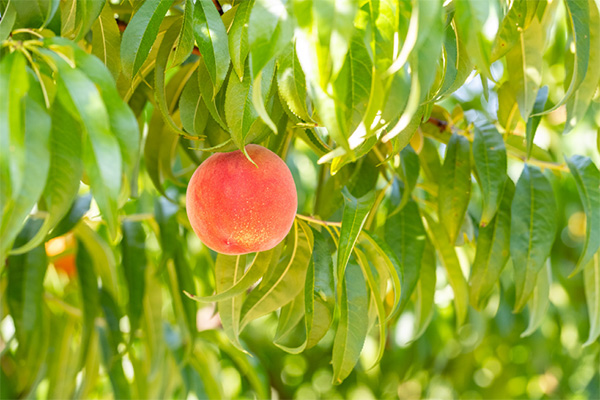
(236, 207)
(61, 251)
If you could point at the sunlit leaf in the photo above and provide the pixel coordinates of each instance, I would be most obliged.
(540, 300)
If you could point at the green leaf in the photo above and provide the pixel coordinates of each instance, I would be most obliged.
(134, 267)
(405, 234)
(206, 89)
(455, 185)
(355, 215)
(586, 177)
(579, 14)
(102, 257)
(470, 17)
(80, 207)
(211, 38)
(534, 120)
(353, 323)
(270, 29)
(492, 252)
(228, 270)
(140, 34)
(489, 154)
(515, 20)
(253, 273)
(287, 277)
(524, 65)
(36, 163)
(319, 292)
(378, 298)
(260, 91)
(88, 11)
(409, 171)
(458, 64)
(106, 40)
(580, 100)
(90, 295)
(192, 109)
(238, 37)
(291, 333)
(540, 300)
(185, 41)
(591, 279)
(291, 82)
(425, 292)
(9, 16)
(239, 111)
(162, 58)
(447, 254)
(532, 231)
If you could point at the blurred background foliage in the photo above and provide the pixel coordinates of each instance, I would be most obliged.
(95, 308)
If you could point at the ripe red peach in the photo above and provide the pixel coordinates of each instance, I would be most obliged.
(236, 207)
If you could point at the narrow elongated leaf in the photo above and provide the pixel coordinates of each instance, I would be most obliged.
(238, 37)
(524, 64)
(354, 321)
(532, 230)
(373, 282)
(291, 333)
(405, 234)
(253, 273)
(260, 92)
(9, 16)
(489, 154)
(455, 185)
(185, 40)
(206, 89)
(269, 31)
(425, 292)
(517, 18)
(540, 300)
(90, 295)
(470, 17)
(587, 176)
(447, 254)
(581, 98)
(287, 278)
(353, 219)
(101, 152)
(591, 278)
(88, 11)
(211, 38)
(493, 249)
(291, 82)
(134, 266)
(140, 34)
(578, 13)
(192, 109)
(239, 110)
(409, 168)
(458, 67)
(228, 271)
(37, 163)
(534, 120)
(106, 40)
(319, 296)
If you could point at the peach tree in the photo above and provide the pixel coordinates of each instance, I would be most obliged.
(445, 157)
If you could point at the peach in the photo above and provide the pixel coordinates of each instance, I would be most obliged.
(236, 207)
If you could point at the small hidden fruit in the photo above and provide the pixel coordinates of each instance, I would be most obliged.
(61, 251)
(236, 207)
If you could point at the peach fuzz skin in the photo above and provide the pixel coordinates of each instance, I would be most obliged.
(235, 207)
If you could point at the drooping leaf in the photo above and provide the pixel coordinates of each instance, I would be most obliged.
(405, 234)
(291, 82)
(425, 291)
(409, 168)
(532, 230)
(211, 38)
(270, 29)
(9, 16)
(134, 266)
(192, 109)
(355, 215)
(90, 295)
(455, 186)
(449, 259)
(470, 17)
(591, 278)
(287, 277)
(581, 98)
(587, 176)
(185, 40)
(524, 64)
(493, 249)
(106, 40)
(228, 270)
(238, 37)
(353, 324)
(534, 120)
(140, 34)
(517, 18)
(489, 154)
(540, 300)
(239, 110)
